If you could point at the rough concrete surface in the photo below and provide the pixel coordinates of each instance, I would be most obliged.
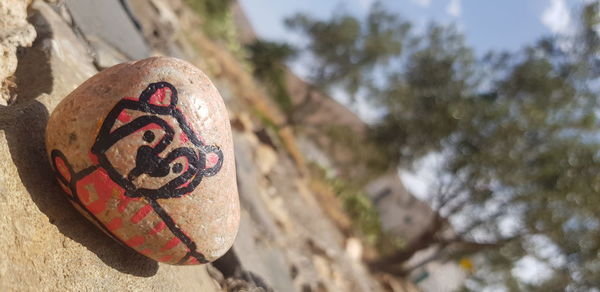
(45, 244)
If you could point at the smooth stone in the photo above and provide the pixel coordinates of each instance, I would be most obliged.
(144, 151)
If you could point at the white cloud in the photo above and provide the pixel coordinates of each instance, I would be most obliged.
(531, 270)
(421, 181)
(365, 4)
(557, 18)
(454, 8)
(424, 3)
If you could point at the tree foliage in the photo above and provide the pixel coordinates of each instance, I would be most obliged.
(516, 133)
(215, 13)
(268, 60)
(519, 140)
(346, 52)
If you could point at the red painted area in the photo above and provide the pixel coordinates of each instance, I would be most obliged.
(141, 213)
(115, 224)
(97, 207)
(192, 261)
(146, 251)
(161, 97)
(171, 244)
(135, 241)
(158, 228)
(95, 189)
(93, 158)
(124, 202)
(211, 160)
(183, 138)
(62, 168)
(166, 258)
(124, 117)
(185, 184)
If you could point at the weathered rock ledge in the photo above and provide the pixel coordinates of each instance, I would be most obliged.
(45, 244)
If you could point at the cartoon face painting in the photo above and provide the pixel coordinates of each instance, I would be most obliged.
(145, 153)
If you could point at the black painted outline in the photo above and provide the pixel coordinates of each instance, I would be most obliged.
(178, 232)
(106, 139)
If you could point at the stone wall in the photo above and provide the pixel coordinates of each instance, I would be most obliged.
(15, 32)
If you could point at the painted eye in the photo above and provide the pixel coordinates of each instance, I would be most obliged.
(177, 167)
(148, 136)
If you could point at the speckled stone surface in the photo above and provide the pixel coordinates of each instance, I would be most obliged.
(144, 151)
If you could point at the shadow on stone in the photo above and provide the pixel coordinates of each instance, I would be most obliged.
(34, 74)
(24, 124)
(235, 277)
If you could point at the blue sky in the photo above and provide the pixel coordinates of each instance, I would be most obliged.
(487, 24)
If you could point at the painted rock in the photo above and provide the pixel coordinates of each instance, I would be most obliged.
(144, 151)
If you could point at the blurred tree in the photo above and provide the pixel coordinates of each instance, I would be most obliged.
(217, 22)
(518, 137)
(345, 52)
(268, 60)
(214, 13)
